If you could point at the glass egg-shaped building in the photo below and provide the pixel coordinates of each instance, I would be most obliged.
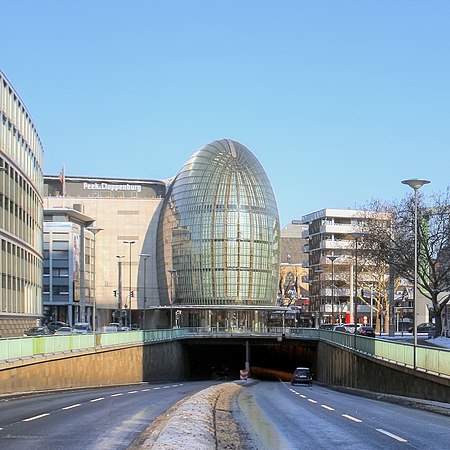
(218, 232)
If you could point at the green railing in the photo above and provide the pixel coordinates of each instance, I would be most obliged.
(433, 360)
(28, 347)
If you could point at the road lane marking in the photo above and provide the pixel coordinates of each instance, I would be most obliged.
(72, 406)
(97, 399)
(156, 388)
(132, 392)
(351, 418)
(35, 417)
(145, 390)
(115, 395)
(394, 436)
(302, 396)
(311, 400)
(166, 387)
(327, 407)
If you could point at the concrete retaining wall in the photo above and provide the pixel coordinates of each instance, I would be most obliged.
(161, 361)
(339, 367)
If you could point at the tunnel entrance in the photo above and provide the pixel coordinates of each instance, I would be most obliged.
(269, 359)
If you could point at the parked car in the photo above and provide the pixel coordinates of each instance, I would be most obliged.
(302, 375)
(423, 327)
(82, 327)
(340, 328)
(110, 329)
(61, 331)
(37, 331)
(53, 326)
(366, 331)
(326, 326)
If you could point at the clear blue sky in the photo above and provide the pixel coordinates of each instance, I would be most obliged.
(339, 100)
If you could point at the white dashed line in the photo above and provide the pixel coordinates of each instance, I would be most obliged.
(166, 387)
(115, 395)
(311, 400)
(72, 406)
(302, 396)
(327, 407)
(156, 388)
(351, 418)
(393, 436)
(133, 392)
(97, 399)
(35, 417)
(145, 390)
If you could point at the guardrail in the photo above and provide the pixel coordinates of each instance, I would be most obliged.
(433, 360)
(16, 348)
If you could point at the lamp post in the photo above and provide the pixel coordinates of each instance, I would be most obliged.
(172, 273)
(145, 256)
(94, 231)
(130, 291)
(332, 258)
(119, 287)
(320, 272)
(356, 236)
(416, 184)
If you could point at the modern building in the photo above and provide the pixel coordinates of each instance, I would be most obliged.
(334, 268)
(123, 213)
(201, 249)
(69, 264)
(218, 239)
(21, 188)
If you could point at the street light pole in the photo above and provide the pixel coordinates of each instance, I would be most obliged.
(172, 273)
(119, 287)
(320, 272)
(332, 258)
(130, 290)
(145, 256)
(94, 231)
(356, 236)
(415, 184)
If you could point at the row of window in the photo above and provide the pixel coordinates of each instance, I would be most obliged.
(20, 281)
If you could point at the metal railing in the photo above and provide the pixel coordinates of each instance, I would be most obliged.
(433, 360)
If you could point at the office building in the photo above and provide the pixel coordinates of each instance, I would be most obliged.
(21, 186)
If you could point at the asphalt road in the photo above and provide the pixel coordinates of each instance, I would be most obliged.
(103, 418)
(281, 416)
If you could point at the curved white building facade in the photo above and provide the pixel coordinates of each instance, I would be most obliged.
(21, 187)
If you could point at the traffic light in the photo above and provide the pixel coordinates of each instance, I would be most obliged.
(115, 293)
(131, 293)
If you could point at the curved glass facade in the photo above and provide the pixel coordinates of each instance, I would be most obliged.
(218, 231)
(21, 186)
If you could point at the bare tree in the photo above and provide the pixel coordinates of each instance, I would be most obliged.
(390, 240)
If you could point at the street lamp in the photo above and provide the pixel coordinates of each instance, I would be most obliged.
(320, 272)
(130, 291)
(172, 273)
(94, 231)
(357, 235)
(119, 287)
(332, 258)
(415, 184)
(145, 256)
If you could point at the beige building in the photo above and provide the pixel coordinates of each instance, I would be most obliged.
(125, 214)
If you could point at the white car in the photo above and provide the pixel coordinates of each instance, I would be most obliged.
(82, 328)
(63, 331)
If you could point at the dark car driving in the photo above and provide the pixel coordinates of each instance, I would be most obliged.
(366, 331)
(302, 375)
